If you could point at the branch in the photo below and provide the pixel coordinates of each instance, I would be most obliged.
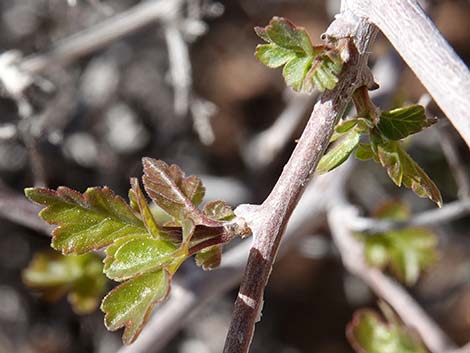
(352, 255)
(449, 212)
(16, 208)
(269, 220)
(426, 52)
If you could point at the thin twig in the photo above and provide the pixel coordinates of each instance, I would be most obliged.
(180, 66)
(95, 37)
(264, 147)
(426, 52)
(339, 218)
(449, 212)
(269, 220)
(16, 208)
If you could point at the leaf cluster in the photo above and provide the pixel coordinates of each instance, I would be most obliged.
(406, 252)
(142, 251)
(369, 333)
(305, 66)
(379, 140)
(79, 277)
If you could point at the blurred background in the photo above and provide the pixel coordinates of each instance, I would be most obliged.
(222, 116)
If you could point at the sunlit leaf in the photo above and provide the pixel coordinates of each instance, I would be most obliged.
(339, 153)
(85, 222)
(399, 123)
(368, 333)
(80, 277)
(130, 304)
(137, 255)
(306, 66)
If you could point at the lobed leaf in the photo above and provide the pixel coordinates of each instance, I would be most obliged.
(85, 222)
(399, 123)
(137, 197)
(79, 276)
(368, 333)
(403, 169)
(130, 304)
(339, 153)
(306, 66)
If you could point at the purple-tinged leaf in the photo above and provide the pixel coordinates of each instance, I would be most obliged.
(209, 258)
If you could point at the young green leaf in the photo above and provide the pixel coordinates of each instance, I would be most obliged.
(137, 255)
(305, 65)
(129, 305)
(368, 333)
(85, 222)
(339, 153)
(55, 275)
(403, 169)
(407, 252)
(209, 258)
(399, 123)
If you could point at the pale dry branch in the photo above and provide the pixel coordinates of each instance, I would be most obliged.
(447, 213)
(426, 52)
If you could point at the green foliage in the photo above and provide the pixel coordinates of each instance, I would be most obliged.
(368, 333)
(85, 222)
(130, 304)
(80, 277)
(339, 153)
(383, 147)
(305, 65)
(406, 252)
(140, 252)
